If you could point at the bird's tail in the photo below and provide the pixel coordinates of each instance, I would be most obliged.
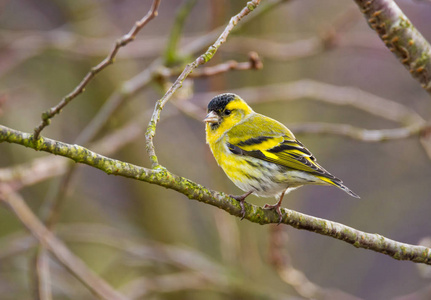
(339, 184)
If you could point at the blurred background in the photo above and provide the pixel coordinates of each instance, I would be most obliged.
(150, 242)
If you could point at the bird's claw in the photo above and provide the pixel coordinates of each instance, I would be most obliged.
(277, 209)
(241, 203)
(241, 200)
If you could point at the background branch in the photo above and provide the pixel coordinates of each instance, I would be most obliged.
(361, 134)
(401, 37)
(93, 282)
(282, 262)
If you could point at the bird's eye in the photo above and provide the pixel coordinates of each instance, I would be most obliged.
(227, 112)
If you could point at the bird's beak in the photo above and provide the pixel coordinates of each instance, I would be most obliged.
(212, 118)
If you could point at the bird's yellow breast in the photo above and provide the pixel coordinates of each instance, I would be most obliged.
(229, 162)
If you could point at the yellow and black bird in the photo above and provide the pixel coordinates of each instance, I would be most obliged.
(259, 154)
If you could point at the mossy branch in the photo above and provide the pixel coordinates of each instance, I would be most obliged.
(192, 190)
(401, 37)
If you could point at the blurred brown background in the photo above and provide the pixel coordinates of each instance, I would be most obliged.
(123, 229)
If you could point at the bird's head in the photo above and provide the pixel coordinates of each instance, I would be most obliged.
(225, 111)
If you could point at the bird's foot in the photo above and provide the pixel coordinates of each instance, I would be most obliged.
(241, 200)
(276, 207)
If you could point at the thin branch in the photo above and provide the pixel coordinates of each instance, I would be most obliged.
(23, 44)
(26, 174)
(303, 48)
(162, 177)
(400, 36)
(43, 275)
(327, 39)
(254, 63)
(143, 287)
(426, 141)
(202, 59)
(127, 90)
(361, 134)
(50, 213)
(76, 266)
(140, 250)
(281, 261)
(123, 41)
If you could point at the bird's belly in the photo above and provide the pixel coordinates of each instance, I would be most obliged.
(265, 179)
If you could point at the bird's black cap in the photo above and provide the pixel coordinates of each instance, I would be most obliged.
(218, 103)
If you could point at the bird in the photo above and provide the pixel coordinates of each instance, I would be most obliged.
(260, 155)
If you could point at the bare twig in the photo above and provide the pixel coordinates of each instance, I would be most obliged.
(136, 249)
(19, 46)
(202, 59)
(426, 140)
(38, 170)
(254, 63)
(329, 38)
(43, 275)
(281, 261)
(124, 40)
(52, 204)
(162, 177)
(401, 37)
(361, 134)
(77, 267)
(141, 288)
(303, 48)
